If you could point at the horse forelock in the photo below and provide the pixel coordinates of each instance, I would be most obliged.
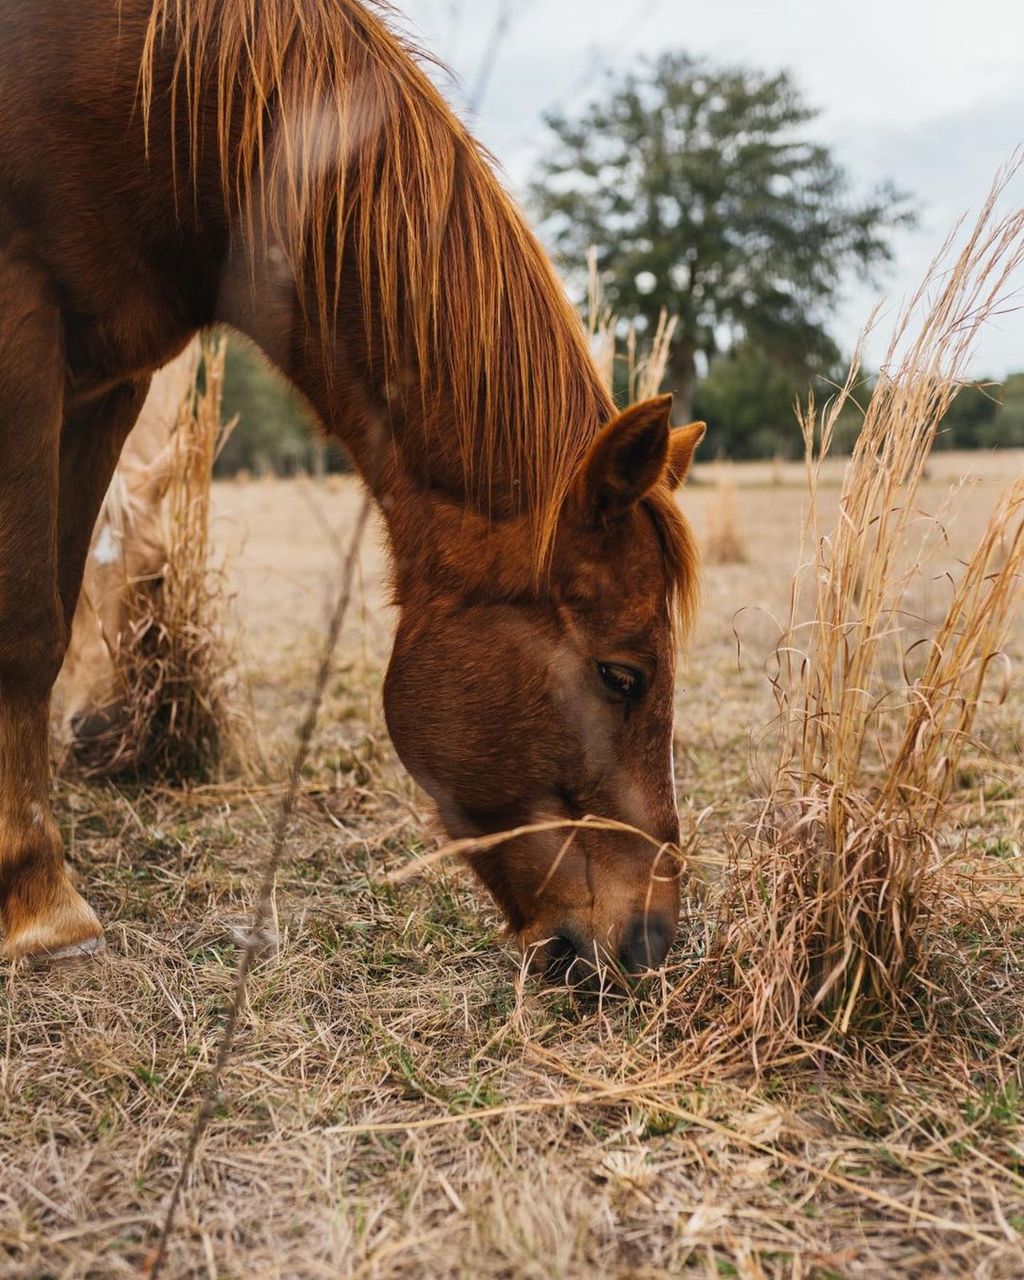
(333, 138)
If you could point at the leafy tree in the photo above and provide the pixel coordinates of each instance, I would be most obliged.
(703, 195)
(1006, 430)
(986, 415)
(276, 431)
(1013, 390)
(971, 414)
(748, 401)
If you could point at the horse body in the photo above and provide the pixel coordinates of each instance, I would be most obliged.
(287, 168)
(81, 204)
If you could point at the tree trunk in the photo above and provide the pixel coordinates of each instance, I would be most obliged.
(682, 380)
(319, 457)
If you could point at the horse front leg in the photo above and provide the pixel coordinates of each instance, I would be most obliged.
(90, 446)
(40, 911)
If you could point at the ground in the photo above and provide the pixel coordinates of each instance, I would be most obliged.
(401, 1100)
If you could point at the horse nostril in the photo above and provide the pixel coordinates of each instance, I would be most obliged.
(87, 726)
(562, 953)
(646, 945)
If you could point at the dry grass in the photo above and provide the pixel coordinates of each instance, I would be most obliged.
(403, 1102)
(846, 876)
(172, 660)
(724, 542)
(640, 365)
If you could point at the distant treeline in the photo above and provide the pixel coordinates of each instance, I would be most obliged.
(746, 398)
(276, 432)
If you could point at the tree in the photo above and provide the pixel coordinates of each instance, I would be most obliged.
(276, 432)
(1007, 431)
(969, 417)
(986, 415)
(748, 402)
(703, 196)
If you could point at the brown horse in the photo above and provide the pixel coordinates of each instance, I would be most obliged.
(286, 167)
(128, 551)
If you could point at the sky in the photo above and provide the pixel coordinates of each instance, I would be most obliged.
(928, 94)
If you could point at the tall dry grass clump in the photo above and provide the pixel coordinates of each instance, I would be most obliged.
(173, 662)
(724, 542)
(829, 918)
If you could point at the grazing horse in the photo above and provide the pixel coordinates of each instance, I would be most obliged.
(287, 167)
(128, 551)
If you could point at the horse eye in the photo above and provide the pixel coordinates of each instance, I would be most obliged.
(625, 682)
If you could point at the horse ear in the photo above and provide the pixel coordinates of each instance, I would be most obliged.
(626, 459)
(682, 445)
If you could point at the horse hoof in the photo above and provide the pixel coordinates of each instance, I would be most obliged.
(69, 930)
(84, 950)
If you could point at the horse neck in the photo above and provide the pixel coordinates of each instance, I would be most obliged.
(445, 548)
(444, 535)
(397, 445)
(433, 337)
(436, 479)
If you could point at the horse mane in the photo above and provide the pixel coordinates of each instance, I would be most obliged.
(332, 140)
(681, 553)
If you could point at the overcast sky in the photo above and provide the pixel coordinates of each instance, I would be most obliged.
(928, 93)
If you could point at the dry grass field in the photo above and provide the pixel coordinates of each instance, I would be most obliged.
(402, 1101)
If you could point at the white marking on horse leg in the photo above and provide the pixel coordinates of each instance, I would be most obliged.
(106, 550)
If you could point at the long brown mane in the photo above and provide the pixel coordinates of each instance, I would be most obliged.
(455, 285)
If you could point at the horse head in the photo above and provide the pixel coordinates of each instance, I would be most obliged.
(544, 701)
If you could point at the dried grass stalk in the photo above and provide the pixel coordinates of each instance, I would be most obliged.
(644, 369)
(173, 662)
(828, 918)
(724, 543)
